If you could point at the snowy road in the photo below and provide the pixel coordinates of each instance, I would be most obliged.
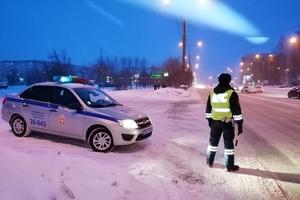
(171, 165)
(272, 137)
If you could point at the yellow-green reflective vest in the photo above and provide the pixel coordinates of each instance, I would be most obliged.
(220, 105)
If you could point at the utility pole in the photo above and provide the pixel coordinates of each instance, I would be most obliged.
(190, 71)
(184, 46)
(190, 63)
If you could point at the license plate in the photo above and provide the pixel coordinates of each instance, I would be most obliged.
(147, 131)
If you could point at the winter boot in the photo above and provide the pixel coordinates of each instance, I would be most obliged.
(229, 163)
(210, 158)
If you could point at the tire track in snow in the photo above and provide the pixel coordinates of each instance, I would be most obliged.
(266, 155)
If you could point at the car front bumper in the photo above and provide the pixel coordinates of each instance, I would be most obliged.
(128, 136)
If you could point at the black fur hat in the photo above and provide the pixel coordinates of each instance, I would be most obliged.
(224, 79)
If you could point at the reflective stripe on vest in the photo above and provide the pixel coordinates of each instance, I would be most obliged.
(221, 105)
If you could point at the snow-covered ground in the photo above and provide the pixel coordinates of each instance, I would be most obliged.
(169, 165)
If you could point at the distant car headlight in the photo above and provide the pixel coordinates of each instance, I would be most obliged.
(240, 87)
(128, 123)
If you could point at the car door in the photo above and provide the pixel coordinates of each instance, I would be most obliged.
(35, 107)
(63, 118)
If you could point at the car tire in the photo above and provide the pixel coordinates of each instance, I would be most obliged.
(101, 140)
(19, 127)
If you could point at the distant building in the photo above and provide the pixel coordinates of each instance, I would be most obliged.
(261, 68)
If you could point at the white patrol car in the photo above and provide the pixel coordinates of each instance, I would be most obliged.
(75, 110)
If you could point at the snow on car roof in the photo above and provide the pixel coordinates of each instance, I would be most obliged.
(67, 85)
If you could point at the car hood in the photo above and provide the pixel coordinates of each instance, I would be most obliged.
(121, 112)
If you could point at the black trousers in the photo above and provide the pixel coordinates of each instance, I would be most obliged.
(219, 127)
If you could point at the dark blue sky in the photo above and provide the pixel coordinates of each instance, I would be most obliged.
(31, 28)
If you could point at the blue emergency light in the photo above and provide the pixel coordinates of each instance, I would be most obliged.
(63, 79)
(70, 79)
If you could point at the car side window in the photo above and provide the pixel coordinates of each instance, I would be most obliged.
(38, 93)
(27, 94)
(65, 98)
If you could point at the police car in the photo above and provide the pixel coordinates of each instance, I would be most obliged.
(71, 108)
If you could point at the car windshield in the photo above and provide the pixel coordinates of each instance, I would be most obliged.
(95, 98)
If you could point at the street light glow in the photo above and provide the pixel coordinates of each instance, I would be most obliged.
(198, 57)
(212, 13)
(242, 64)
(200, 44)
(166, 2)
(180, 44)
(293, 40)
(204, 2)
(257, 56)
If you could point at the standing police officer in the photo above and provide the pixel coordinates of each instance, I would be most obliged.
(223, 106)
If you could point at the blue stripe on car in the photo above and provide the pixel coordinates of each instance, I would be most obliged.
(90, 114)
(15, 100)
(54, 106)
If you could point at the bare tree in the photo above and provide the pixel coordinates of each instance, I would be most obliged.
(59, 65)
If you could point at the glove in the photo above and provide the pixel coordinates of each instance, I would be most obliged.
(209, 122)
(240, 126)
(240, 129)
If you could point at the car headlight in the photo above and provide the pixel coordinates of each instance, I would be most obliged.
(128, 123)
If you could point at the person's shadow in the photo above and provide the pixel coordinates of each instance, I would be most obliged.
(281, 176)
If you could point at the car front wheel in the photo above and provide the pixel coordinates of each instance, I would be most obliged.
(100, 140)
(19, 127)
